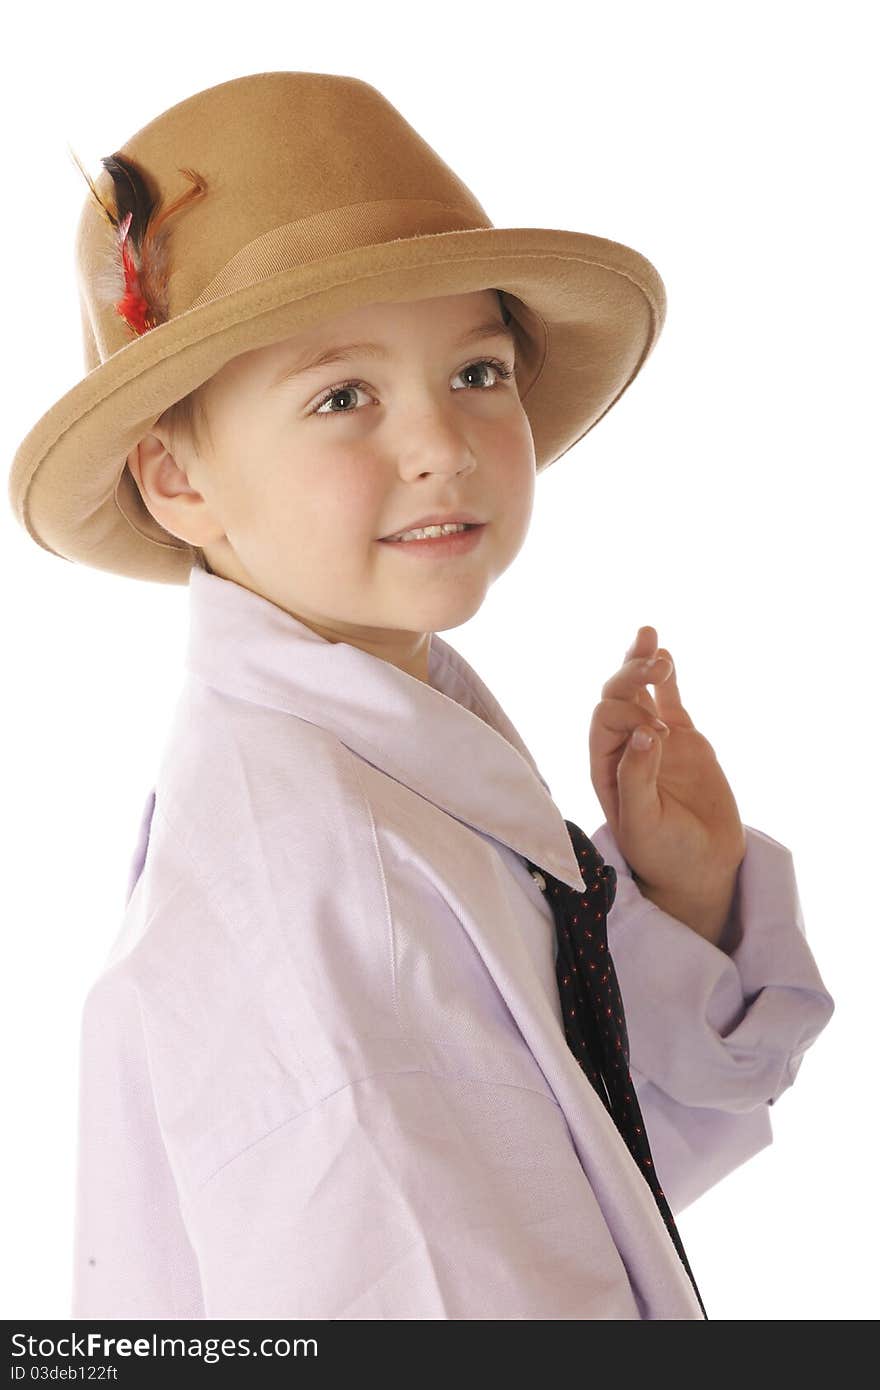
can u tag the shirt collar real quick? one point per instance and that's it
(448, 740)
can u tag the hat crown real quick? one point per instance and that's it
(309, 165)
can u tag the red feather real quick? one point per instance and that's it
(136, 282)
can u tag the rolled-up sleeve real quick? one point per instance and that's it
(715, 1038)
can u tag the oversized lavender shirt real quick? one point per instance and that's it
(323, 1072)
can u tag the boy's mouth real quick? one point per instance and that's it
(460, 540)
(431, 532)
(450, 518)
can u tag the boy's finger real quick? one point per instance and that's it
(668, 697)
(634, 676)
(614, 720)
(643, 644)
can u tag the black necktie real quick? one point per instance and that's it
(592, 1008)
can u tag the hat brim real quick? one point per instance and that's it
(590, 313)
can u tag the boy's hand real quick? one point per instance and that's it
(670, 807)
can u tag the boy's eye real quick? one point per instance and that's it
(501, 370)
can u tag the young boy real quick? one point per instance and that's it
(324, 1071)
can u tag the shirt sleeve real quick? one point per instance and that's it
(132, 1256)
(715, 1037)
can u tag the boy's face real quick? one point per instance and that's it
(293, 504)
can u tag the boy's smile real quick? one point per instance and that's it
(311, 463)
(438, 541)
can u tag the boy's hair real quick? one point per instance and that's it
(187, 420)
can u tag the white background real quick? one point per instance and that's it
(735, 145)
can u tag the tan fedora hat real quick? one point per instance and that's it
(251, 211)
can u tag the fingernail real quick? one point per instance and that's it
(641, 739)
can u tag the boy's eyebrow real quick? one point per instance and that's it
(492, 328)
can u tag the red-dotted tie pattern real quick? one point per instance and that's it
(592, 1007)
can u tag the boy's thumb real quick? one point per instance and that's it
(636, 769)
(644, 739)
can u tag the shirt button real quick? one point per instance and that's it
(540, 880)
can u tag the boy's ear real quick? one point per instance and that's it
(168, 496)
(151, 446)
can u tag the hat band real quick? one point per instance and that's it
(331, 233)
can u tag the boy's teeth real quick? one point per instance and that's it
(422, 531)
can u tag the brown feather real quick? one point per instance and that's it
(105, 211)
(141, 233)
